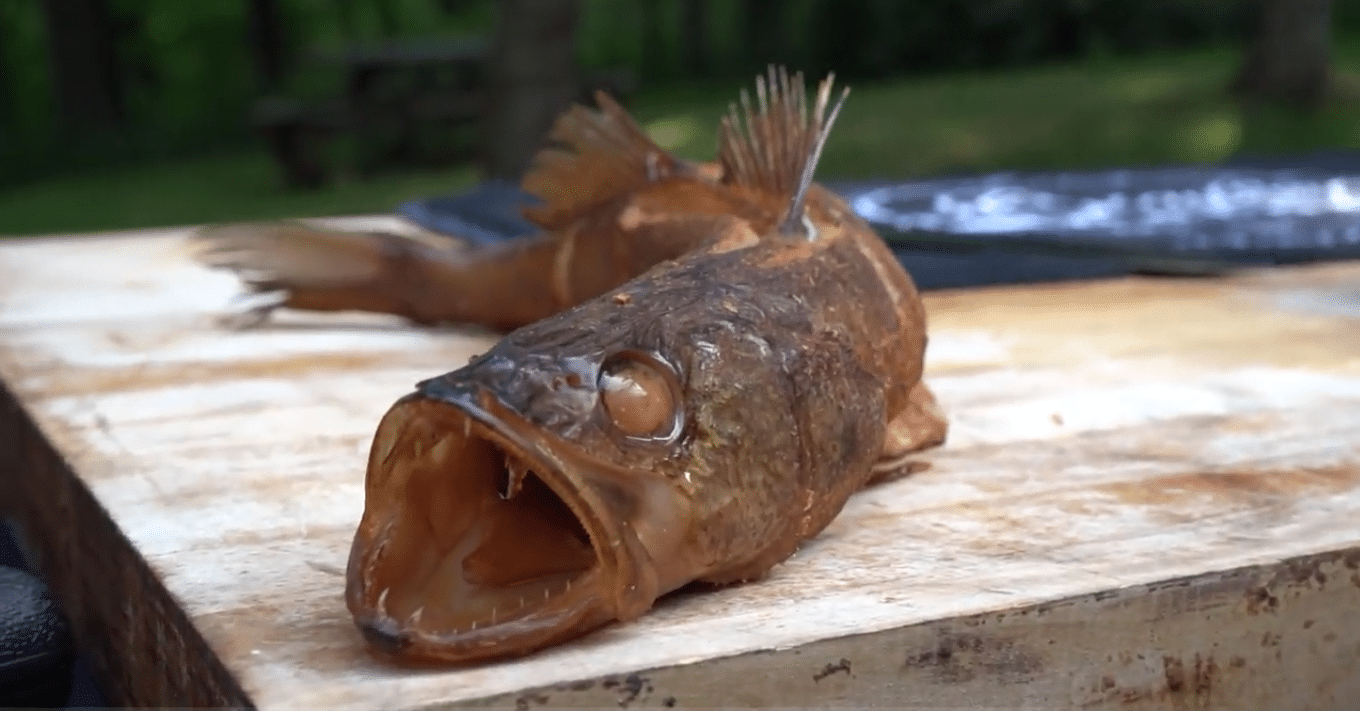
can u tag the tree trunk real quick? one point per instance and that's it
(761, 26)
(387, 19)
(694, 36)
(1289, 57)
(652, 37)
(264, 32)
(344, 13)
(6, 81)
(532, 78)
(84, 61)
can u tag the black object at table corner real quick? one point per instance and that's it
(36, 651)
(39, 666)
(490, 212)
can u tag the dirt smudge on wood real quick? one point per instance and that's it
(843, 666)
(1236, 485)
(961, 658)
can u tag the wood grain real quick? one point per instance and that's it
(1150, 499)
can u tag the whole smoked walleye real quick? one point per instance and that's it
(710, 359)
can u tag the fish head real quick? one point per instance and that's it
(531, 495)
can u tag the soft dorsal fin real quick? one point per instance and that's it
(775, 149)
(595, 156)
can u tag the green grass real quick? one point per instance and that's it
(1116, 112)
(214, 188)
(1100, 113)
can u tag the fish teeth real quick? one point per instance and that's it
(415, 616)
(387, 441)
(515, 472)
(440, 452)
(467, 427)
(382, 600)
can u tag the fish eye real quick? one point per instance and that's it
(638, 395)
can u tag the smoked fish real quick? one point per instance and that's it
(708, 360)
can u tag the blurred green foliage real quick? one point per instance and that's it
(859, 38)
(989, 33)
(188, 74)
(190, 79)
(1169, 107)
(882, 37)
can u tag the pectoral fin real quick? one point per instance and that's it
(920, 425)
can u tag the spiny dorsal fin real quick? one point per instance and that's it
(775, 149)
(597, 156)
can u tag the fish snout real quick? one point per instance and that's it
(558, 394)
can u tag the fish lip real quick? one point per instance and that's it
(384, 634)
(616, 586)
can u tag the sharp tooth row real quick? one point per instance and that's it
(439, 453)
(493, 619)
(387, 442)
(515, 472)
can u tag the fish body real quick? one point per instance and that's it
(731, 354)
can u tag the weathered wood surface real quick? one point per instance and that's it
(1150, 499)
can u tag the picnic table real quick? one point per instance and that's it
(410, 101)
(1150, 499)
(394, 93)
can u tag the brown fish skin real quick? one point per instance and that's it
(616, 204)
(781, 404)
(696, 423)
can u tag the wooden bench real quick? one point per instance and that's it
(1150, 499)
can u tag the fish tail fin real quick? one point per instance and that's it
(773, 147)
(289, 264)
(593, 156)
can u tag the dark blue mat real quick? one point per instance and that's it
(1031, 227)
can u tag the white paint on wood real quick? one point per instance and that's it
(1105, 436)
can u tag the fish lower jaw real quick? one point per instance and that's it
(505, 627)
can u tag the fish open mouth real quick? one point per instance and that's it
(472, 544)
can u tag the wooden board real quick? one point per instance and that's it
(1150, 499)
